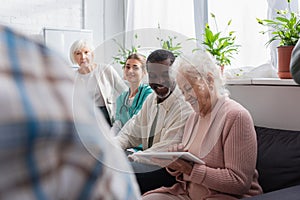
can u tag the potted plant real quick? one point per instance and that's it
(169, 44)
(221, 44)
(123, 52)
(285, 28)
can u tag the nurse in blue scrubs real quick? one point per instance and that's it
(130, 102)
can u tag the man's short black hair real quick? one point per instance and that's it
(161, 55)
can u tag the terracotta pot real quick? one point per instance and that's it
(284, 58)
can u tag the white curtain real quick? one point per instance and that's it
(174, 15)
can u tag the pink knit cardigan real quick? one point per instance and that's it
(227, 144)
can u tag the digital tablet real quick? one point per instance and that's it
(170, 156)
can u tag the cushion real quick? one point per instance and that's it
(278, 161)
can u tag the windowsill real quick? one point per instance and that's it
(261, 81)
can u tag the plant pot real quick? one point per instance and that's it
(284, 58)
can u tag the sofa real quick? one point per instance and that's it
(278, 164)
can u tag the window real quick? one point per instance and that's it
(253, 51)
(178, 16)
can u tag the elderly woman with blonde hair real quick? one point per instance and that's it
(220, 132)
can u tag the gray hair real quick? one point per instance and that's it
(77, 45)
(201, 64)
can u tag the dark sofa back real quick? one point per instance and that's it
(278, 161)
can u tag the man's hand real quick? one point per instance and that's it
(177, 148)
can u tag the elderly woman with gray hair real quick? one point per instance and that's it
(220, 132)
(102, 82)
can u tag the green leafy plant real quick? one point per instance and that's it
(285, 27)
(170, 44)
(221, 44)
(123, 52)
(165, 43)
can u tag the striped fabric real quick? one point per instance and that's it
(52, 142)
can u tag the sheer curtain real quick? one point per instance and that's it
(175, 15)
(188, 17)
(153, 20)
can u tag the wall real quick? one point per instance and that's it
(109, 11)
(32, 15)
(273, 105)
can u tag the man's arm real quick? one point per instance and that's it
(173, 132)
(136, 128)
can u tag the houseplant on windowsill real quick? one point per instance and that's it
(285, 28)
(124, 52)
(221, 44)
(170, 44)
